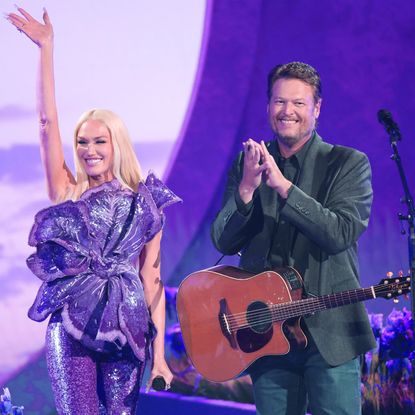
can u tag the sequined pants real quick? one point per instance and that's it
(84, 382)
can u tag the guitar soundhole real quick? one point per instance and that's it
(258, 316)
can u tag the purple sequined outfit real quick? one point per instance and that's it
(86, 255)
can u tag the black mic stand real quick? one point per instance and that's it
(409, 218)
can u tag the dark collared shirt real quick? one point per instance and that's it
(280, 249)
(281, 246)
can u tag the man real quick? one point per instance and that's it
(297, 201)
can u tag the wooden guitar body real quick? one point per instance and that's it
(230, 318)
(226, 320)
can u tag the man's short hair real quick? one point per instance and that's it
(296, 70)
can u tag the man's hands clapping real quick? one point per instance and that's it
(260, 165)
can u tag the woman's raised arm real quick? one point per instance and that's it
(58, 176)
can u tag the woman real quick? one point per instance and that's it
(98, 254)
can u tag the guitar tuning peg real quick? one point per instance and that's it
(396, 300)
(400, 273)
(406, 296)
(389, 274)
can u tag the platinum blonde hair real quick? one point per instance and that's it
(126, 167)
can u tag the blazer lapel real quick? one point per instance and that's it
(306, 255)
(316, 161)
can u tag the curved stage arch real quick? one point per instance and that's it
(365, 53)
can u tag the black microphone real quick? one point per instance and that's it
(385, 118)
(159, 384)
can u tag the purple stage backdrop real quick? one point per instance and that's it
(364, 51)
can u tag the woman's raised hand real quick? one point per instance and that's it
(41, 34)
(58, 177)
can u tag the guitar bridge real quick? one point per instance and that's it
(225, 322)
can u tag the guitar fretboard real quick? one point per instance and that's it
(311, 305)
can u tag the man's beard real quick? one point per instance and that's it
(289, 140)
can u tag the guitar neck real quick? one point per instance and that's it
(311, 305)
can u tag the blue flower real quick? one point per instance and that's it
(397, 340)
(6, 407)
(5, 402)
(376, 321)
(175, 340)
(399, 369)
(171, 294)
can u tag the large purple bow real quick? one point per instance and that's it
(86, 255)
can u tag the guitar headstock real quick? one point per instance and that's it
(393, 287)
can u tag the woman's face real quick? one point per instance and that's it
(95, 151)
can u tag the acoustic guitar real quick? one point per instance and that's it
(229, 317)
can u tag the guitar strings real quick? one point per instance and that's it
(305, 306)
(295, 305)
(264, 316)
(271, 315)
(353, 295)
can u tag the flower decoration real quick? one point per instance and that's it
(6, 407)
(175, 340)
(171, 294)
(376, 321)
(387, 379)
(397, 339)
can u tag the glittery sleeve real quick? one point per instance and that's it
(160, 193)
(158, 196)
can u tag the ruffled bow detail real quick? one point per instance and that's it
(86, 255)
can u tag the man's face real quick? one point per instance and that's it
(292, 111)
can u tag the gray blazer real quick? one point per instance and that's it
(329, 208)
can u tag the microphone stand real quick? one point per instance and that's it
(409, 218)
